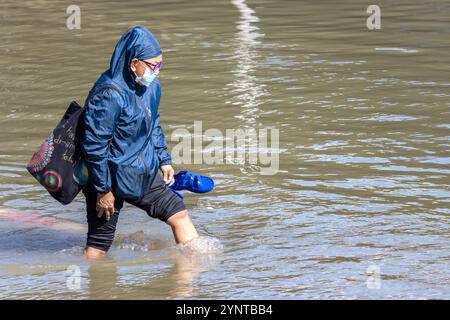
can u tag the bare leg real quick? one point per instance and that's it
(93, 253)
(182, 227)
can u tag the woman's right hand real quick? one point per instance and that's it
(105, 204)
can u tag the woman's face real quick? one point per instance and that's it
(138, 67)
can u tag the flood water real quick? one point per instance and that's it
(359, 207)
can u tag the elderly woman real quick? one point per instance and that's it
(124, 146)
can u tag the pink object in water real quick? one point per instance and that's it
(29, 218)
(26, 217)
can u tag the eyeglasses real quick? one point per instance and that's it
(153, 66)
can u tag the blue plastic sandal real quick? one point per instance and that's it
(185, 180)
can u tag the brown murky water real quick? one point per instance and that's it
(359, 207)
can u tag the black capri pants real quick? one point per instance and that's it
(159, 201)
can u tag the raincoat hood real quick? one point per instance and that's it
(139, 43)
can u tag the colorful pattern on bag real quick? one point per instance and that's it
(51, 180)
(42, 156)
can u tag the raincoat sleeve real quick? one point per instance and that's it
(159, 141)
(100, 117)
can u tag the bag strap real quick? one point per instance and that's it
(101, 87)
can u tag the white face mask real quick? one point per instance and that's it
(147, 78)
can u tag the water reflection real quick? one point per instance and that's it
(247, 91)
(113, 279)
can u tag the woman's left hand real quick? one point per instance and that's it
(168, 173)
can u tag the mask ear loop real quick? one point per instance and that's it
(138, 78)
(144, 65)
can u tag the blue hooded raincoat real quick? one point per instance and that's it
(122, 140)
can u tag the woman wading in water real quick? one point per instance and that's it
(124, 146)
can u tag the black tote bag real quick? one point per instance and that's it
(58, 163)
